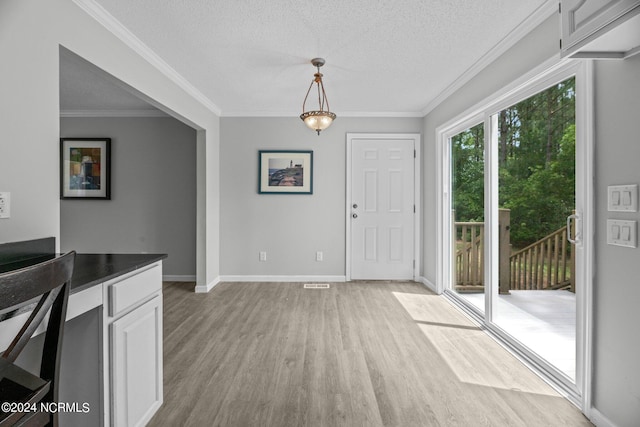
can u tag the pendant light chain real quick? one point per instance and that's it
(307, 95)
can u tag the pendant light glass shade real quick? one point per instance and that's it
(318, 120)
(321, 118)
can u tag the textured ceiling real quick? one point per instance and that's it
(251, 57)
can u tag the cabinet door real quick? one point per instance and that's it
(136, 365)
(582, 18)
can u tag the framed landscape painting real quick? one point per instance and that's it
(85, 168)
(285, 172)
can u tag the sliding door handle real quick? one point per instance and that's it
(577, 229)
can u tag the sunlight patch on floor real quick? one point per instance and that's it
(544, 321)
(469, 352)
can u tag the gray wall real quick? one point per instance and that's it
(153, 194)
(616, 378)
(617, 269)
(290, 228)
(535, 48)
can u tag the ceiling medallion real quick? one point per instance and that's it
(321, 118)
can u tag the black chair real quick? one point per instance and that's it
(46, 284)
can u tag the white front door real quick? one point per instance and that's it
(382, 208)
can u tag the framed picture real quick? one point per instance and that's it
(285, 172)
(85, 168)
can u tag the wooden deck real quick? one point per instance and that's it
(544, 321)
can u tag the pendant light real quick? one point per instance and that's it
(321, 118)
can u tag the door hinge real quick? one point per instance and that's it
(414, 263)
(414, 208)
(414, 154)
(559, 7)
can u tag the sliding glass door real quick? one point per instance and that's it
(467, 214)
(515, 194)
(536, 302)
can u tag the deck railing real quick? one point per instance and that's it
(546, 264)
(469, 255)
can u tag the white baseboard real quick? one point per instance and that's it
(179, 278)
(283, 278)
(427, 283)
(203, 289)
(599, 420)
(288, 279)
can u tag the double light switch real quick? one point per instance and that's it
(622, 233)
(623, 198)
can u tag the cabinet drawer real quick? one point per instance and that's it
(134, 289)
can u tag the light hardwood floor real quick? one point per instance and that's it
(357, 354)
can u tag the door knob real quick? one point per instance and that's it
(355, 215)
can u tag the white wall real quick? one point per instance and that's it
(290, 228)
(616, 378)
(29, 123)
(153, 192)
(31, 32)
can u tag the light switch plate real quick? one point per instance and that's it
(623, 198)
(5, 204)
(622, 233)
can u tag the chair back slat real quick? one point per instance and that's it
(18, 287)
(50, 280)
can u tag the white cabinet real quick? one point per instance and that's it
(133, 337)
(112, 348)
(600, 28)
(137, 364)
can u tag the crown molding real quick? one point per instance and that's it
(112, 113)
(546, 10)
(114, 26)
(380, 114)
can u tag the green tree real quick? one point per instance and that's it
(537, 178)
(536, 153)
(468, 174)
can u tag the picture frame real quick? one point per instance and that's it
(85, 168)
(285, 172)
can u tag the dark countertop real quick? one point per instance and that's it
(92, 269)
(88, 270)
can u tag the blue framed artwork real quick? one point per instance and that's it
(285, 172)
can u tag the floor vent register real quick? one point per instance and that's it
(316, 286)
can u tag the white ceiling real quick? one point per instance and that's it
(251, 57)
